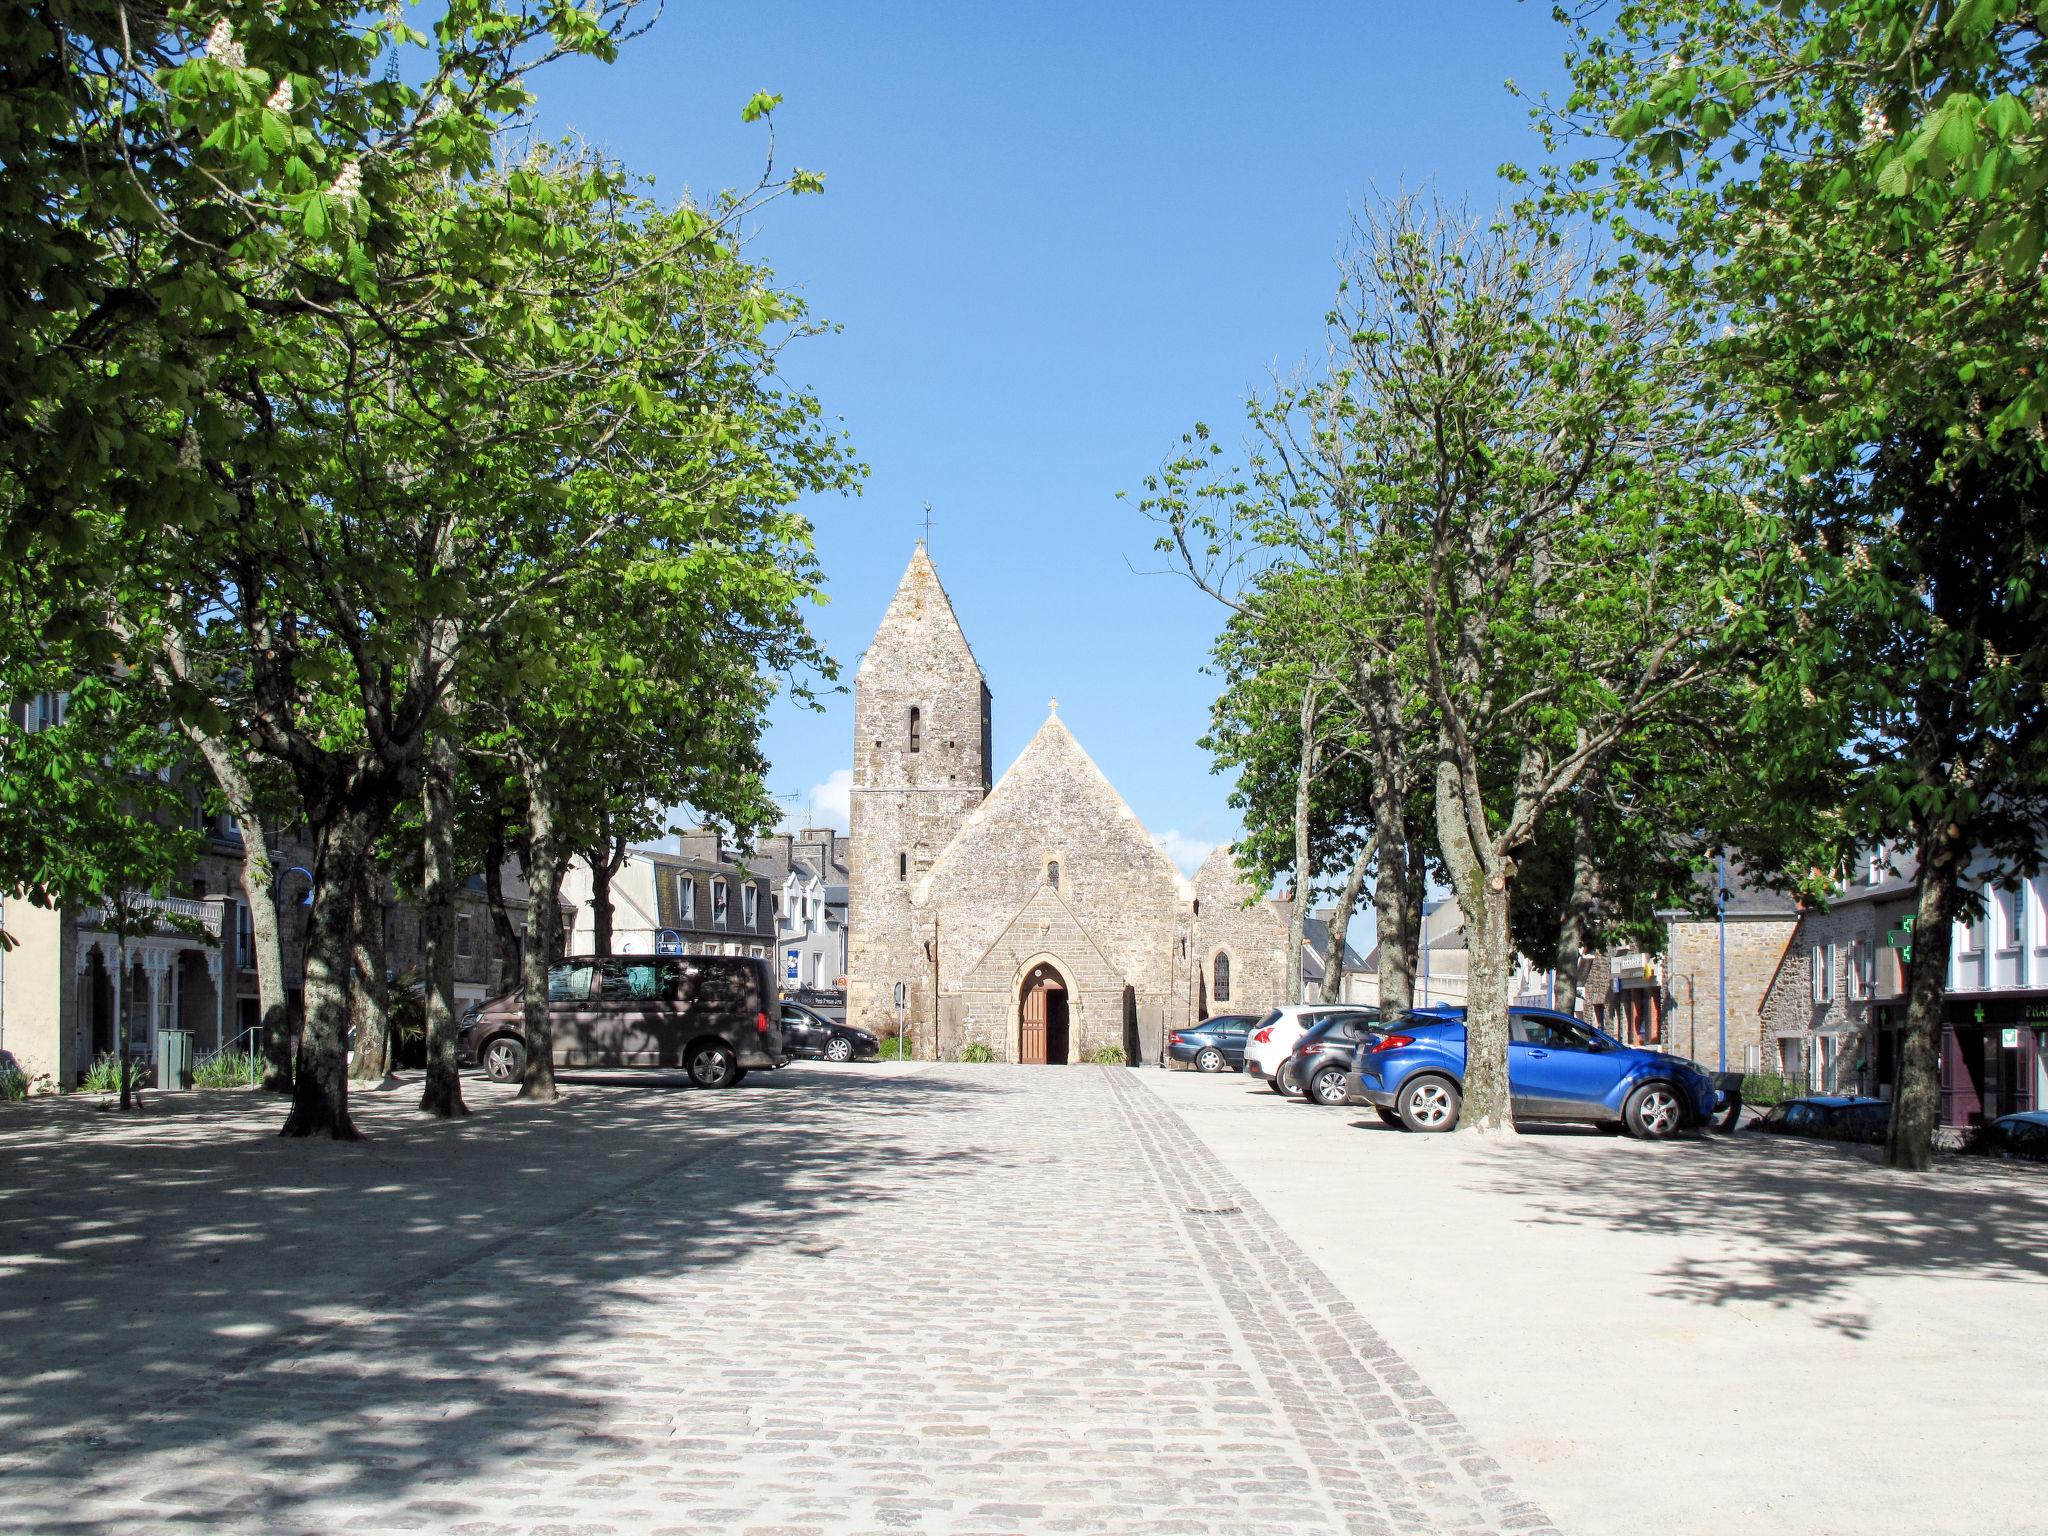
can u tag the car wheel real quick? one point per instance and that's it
(1208, 1059)
(504, 1060)
(1388, 1117)
(1429, 1104)
(840, 1049)
(1287, 1082)
(1655, 1112)
(712, 1065)
(1328, 1086)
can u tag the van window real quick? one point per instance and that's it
(569, 983)
(638, 980)
(730, 986)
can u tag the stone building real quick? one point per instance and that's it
(1034, 916)
(700, 901)
(1756, 938)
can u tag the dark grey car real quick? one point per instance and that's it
(715, 1016)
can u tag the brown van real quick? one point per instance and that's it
(715, 1016)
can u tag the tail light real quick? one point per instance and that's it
(1264, 1036)
(1178, 1039)
(761, 1023)
(1390, 1043)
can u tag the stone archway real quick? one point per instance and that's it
(1044, 1017)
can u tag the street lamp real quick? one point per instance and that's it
(1721, 916)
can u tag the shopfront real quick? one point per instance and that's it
(1994, 1056)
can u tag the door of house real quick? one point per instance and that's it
(1031, 1041)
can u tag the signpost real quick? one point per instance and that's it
(668, 942)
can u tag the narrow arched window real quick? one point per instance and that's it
(1052, 874)
(1220, 992)
(916, 729)
(902, 866)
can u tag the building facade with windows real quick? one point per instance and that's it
(807, 868)
(1835, 1008)
(701, 901)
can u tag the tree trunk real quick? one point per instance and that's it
(259, 880)
(320, 1080)
(601, 871)
(369, 999)
(1917, 1104)
(1304, 778)
(1395, 900)
(501, 913)
(442, 1094)
(121, 997)
(543, 939)
(1480, 880)
(1576, 933)
(1340, 922)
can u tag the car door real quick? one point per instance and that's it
(1557, 1068)
(569, 988)
(1230, 1039)
(800, 1034)
(615, 1030)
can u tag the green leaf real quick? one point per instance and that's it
(759, 106)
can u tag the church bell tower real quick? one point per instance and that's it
(920, 767)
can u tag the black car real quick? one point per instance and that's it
(1321, 1059)
(1212, 1045)
(1828, 1117)
(806, 1032)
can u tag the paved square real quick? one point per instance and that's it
(954, 1299)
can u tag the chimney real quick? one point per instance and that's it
(704, 843)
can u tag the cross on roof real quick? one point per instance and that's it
(927, 525)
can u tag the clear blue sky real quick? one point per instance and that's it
(1056, 235)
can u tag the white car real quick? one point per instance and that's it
(1274, 1037)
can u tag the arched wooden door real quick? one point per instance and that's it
(1042, 1014)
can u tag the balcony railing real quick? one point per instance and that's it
(148, 914)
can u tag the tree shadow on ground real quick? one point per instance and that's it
(193, 1303)
(1784, 1222)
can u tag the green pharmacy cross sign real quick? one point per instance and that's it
(1901, 939)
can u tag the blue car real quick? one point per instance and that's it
(1559, 1069)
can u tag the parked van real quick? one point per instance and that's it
(716, 1016)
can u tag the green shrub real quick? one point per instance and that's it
(898, 1049)
(974, 1050)
(407, 1020)
(1766, 1089)
(1108, 1056)
(104, 1075)
(13, 1081)
(224, 1069)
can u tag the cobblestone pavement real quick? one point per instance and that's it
(966, 1299)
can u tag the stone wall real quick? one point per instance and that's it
(1230, 918)
(1756, 946)
(1119, 914)
(1794, 1023)
(907, 804)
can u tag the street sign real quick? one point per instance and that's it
(668, 942)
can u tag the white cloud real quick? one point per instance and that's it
(829, 804)
(1186, 852)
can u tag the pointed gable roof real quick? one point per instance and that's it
(920, 618)
(1051, 755)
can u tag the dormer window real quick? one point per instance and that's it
(916, 729)
(720, 902)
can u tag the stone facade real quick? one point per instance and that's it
(1839, 980)
(1758, 949)
(970, 898)
(1248, 933)
(920, 767)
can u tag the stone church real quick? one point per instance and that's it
(1033, 915)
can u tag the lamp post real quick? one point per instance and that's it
(1721, 917)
